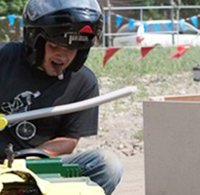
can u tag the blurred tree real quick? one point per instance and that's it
(10, 32)
(11, 7)
(3, 7)
(177, 2)
(190, 2)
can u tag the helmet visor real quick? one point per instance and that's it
(69, 39)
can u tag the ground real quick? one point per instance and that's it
(121, 125)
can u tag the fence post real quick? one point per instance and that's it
(109, 22)
(111, 10)
(172, 19)
(141, 14)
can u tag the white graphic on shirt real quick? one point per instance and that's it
(25, 130)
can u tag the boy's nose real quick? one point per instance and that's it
(61, 57)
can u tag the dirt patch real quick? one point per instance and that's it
(121, 125)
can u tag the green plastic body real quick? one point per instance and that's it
(53, 167)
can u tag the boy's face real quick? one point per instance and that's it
(57, 58)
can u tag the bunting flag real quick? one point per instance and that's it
(157, 27)
(11, 19)
(182, 24)
(181, 49)
(131, 24)
(194, 20)
(139, 39)
(109, 53)
(145, 50)
(119, 20)
(21, 22)
(140, 34)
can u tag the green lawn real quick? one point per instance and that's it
(125, 64)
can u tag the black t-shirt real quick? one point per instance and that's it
(26, 88)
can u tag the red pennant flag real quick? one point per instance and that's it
(145, 50)
(109, 53)
(139, 39)
(181, 49)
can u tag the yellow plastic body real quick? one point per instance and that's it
(72, 186)
(3, 122)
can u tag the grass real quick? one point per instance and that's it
(139, 135)
(124, 65)
(124, 68)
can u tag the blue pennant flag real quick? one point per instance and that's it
(194, 20)
(11, 19)
(182, 24)
(131, 24)
(168, 26)
(21, 22)
(157, 27)
(145, 26)
(118, 21)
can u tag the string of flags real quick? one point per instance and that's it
(109, 53)
(118, 21)
(12, 19)
(180, 51)
(131, 22)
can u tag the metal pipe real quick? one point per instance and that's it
(137, 8)
(151, 7)
(69, 108)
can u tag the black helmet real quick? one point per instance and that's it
(70, 23)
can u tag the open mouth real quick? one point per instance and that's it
(58, 68)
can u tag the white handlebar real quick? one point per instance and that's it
(70, 108)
